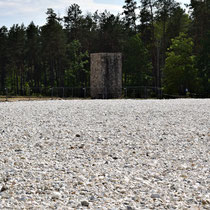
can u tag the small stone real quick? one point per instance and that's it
(81, 146)
(122, 191)
(18, 150)
(190, 201)
(205, 202)
(135, 198)
(126, 179)
(77, 135)
(92, 198)
(3, 188)
(172, 187)
(5, 196)
(22, 198)
(85, 203)
(155, 196)
(130, 208)
(56, 195)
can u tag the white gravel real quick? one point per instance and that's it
(105, 154)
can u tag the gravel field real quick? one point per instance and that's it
(105, 154)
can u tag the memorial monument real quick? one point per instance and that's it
(106, 75)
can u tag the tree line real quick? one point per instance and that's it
(162, 46)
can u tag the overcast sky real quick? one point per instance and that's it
(25, 11)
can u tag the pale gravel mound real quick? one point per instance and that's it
(105, 154)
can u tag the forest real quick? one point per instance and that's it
(163, 46)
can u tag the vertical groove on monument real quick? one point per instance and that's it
(106, 75)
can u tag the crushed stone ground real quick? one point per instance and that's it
(105, 154)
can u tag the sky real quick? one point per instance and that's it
(25, 11)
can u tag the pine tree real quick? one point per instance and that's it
(200, 14)
(33, 51)
(110, 33)
(16, 76)
(165, 9)
(72, 22)
(201, 21)
(147, 20)
(130, 17)
(147, 30)
(53, 50)
(3, 57)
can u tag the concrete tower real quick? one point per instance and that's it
(106, 75)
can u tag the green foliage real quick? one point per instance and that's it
(137, 65)
(178, 21)
(130, 16)
(16, 51)
(77, 61)
(147, 21)
(203, 65)
(200, 31)
(57, 54)
(74, 15)
(179, 72)
(110, 36)
(53, 49)
(3, 56)
(32, 57)
(72, 21)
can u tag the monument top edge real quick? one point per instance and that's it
(106, 53)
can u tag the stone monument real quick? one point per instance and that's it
(106, 75)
